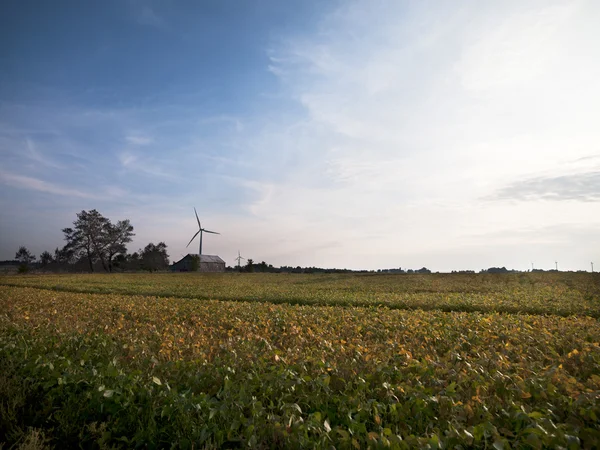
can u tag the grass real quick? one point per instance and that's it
(129, 366)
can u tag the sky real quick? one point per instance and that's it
(351, 134)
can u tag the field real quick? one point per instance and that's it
(301, 361)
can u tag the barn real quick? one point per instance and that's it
(208, 263)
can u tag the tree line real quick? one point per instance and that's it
(99, 244)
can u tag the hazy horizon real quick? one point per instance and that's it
(348, 134)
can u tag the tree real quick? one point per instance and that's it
(63, 255)
(24, 256)
(134, 261)
(155, 257)
(116, 237)
(46, 258)
(250, 265)
(86, 235)
(96, 238)
(120, 261)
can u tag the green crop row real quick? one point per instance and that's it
(114, 371)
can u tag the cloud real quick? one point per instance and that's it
(34, 155)
(410, 116)
(582, 187)
(34, 184)
(147, 166)
(515, 50)
(138, 139)
(388, 128)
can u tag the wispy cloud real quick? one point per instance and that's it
(147, 166)
(139, 139)
(34, 155)
(35, 184)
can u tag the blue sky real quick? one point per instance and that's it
(350, 134)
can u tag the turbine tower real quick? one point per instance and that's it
(200, 231)
(239, 258)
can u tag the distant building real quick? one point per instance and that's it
(208, 263)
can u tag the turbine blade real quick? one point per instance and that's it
(199, 226)
(197, 232)
(213, 232)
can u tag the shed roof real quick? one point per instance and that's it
(211, 259)
(203, 259)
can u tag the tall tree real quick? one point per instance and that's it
(85, 235)
(94, 237)
(117, 236)
(155, 257)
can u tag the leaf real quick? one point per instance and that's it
(343, 433)
(108, 393)
(156, 381)
(434, 441)
(327, 426)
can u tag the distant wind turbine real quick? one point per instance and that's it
(200, 231)
(556, 265)
(592, 267)
(239, 258)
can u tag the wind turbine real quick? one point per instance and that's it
(200, 231)
(239, 257)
